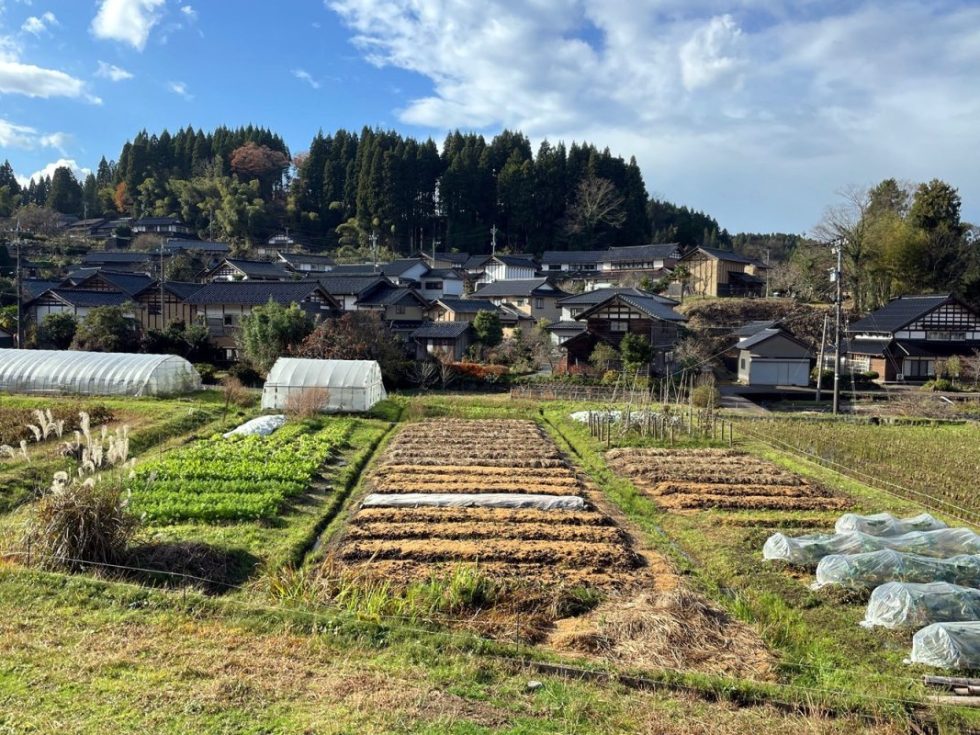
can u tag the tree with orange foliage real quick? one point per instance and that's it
(121, 197)
(253, 162)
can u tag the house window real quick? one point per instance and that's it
(433, 285)
(539, 303)
(229, 320)
(399, 308)
(946, 336)
(619, 326)
(521, 302)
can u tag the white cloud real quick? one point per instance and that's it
(179, 88)
(38, 25)
(189, 12)
(113, 72)
(305, 76)
(755, 111)
(35, 81)
(128, 21)
(70, 163)
(25, 137)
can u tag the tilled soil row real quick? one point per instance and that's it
(699, 488)
(750, 502)
(417, 472)
(479, 515)
(474, 485)
(460, 531)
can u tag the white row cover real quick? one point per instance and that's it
(906, 605)
(868, 570)
(885, 524)
(476, 500)
(948, 646)
(351, 385)
(260, 426)
(96, 373)
(808, 550)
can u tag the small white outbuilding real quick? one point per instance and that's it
(96, 373)
(351, 385)
(773, 357)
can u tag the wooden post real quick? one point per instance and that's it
(731, 435)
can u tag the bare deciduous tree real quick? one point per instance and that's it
(597, 202)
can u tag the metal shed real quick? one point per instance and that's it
(351, 385)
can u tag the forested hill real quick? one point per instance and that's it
(244, 184)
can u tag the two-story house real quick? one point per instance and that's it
(239, 269)
(537, 298)
(508, 268)
(304, 264)
(161, 226)
(908, 336)
(716, 272)
(569, 326)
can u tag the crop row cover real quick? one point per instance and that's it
(948, 645)
(260, 426)
(476, 500)
(906, 605)
(809, 550)
(885, 524)
(868, 570)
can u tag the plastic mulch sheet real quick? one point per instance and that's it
(948, 645)
(808, 550)
(261, 426)
(475, 500)
(885, 524)
(909, 605)
(870, 569)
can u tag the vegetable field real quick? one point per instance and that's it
(681, 479)
(936, 465)
(238, 478)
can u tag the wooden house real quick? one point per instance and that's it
(176, 308)
(239, 269)
(348, 289)
(716, 272)
(305, 264)
(537, 298)
(908, 337)
(442, 340)
(621, 314)
(773, 356)
(161, 226)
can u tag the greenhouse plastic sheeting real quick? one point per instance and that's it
(885, 524)
(868, 570)
(808, 550)
(906, 605)
(350, 385)
(948, 645)
(261, 426)
(476, 500)
(95, 373)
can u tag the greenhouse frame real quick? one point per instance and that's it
(351, 385)
(95, 373)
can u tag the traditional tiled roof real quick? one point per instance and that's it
(340, 284)
(95, 257)
(645, 304)
(653, 251)
(202, 246)
(295, 259)
(129, 283)
(466, 306)
(441, 330)
(258, 268)
(589, 298)
(475, 261)
(182, 290)
(86, 298)
(34, 287)
(394, 269)
(519, 287)
(750, 328)
(157, 221)
(517, 260)
(454, 258)
(385, 294)
(718, 254)
(253, 292)
(899, 313)
(572, 257)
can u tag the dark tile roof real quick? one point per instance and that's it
(384, 294)
(393, 269)
(202, 246)
(80, 274)
(155, 221)
(746, 279)
(517, 287)
(258, 268)
(750, 328)
(517, 260)
(129, 283)
(445, 273)
(252, 292)
(306, 258)
(572, 257)
(34, 287)
(577, 326)
(865, 346)
(476, 261)
(760, 337)
(646, 304)
(589, 298)
(653, 251)
(899, 312)
(919, 348)
(181, 289)
(466, 306)
(340, 284)
(116, 256)
(728, 255)
(83, 297)
(441, 330)
(455, 258)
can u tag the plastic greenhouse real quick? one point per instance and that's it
(351, 385)
(96, 373)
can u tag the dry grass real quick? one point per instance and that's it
(306, 403)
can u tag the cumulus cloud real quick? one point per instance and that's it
(305, 76)
(112, 72)
(180, 89)
(189, 12)
(38, 25)
(69, 163)
(36, 81)
(724, 105)
(26, 137)
(127, 21)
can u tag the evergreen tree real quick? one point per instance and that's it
(65, 194)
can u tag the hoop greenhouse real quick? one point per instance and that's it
(347, 385)
(96, 373)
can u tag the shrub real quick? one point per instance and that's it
(234, 392)
(245, 374)
(207, 371)
(705, 396)
(867, 375)
(939, 384)
(307, 403)
(478, 371)
(827, 377)
(610, 377)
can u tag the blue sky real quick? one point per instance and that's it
(757, 111)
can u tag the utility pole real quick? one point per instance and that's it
(20, 295)
(823, 343)
(374, 248)
(163, 277)
(493, 240)
(767, 273)
(839, 250)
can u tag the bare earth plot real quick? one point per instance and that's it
(718, 478)
(540, 558)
